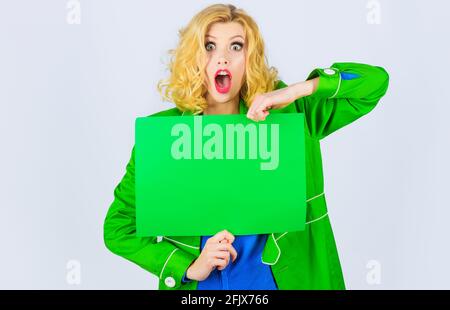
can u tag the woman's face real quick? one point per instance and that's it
(226, 61)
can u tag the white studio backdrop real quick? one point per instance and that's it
(74, 75)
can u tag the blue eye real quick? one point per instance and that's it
(239, 44)
(209, 44)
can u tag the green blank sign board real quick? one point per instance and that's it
(198, 175)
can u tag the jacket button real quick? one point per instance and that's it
(169, 281)
(329, 71)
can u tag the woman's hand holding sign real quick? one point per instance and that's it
(215, 254)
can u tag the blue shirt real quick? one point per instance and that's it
(246, 272)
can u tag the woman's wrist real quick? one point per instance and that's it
(304, 88)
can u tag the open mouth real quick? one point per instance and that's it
(223, 81)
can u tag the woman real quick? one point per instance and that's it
(219, 67)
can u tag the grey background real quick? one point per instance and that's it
(69, 95)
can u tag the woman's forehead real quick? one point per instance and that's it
(228, 30)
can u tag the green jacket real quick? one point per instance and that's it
(299, 260)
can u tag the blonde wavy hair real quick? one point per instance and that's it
(186, 85)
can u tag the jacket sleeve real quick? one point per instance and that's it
(345, 92)
(162, 259)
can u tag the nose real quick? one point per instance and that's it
(222, 61)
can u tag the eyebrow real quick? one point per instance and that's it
(230, 38)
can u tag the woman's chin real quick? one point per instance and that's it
(222, 97)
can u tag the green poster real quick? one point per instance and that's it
(198, 175)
